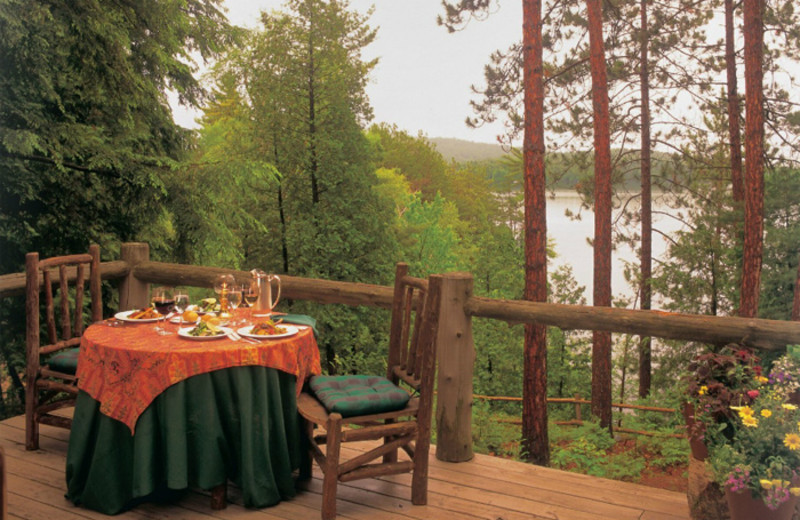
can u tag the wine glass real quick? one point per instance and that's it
(181, 303)
(234, 301)
(163, 300)
(250, 293)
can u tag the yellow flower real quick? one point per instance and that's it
(766, 412)
(749, 420)
(792, 441)
(789, 406)
(703, 390)
(744, 411)
(765, 484)
(795, 492)
(762, 379)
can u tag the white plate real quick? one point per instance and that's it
(290, 331)
(123, 316)
(184, 333)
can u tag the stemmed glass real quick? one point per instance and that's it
(163, 300)
(234, 300)
(250, 293)
(181, 303)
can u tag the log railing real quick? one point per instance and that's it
(456, 350)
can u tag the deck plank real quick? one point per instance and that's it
(486, 488)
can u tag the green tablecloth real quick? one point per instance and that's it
(239, 424)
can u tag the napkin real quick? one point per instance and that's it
(300, 319)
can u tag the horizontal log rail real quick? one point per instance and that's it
(578, 421)
(292, 287)
(759, 333)
(14, 284)
(578, 401)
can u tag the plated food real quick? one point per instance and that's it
(203, 330)
(144, 315)
(186, 318)
(268, 330)
(208, 305)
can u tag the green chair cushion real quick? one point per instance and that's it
(65, 361)
(358, 394)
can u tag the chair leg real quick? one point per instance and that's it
(219, 497)
(330, 480)
(31, 426)
(419, 479)
(392, 455)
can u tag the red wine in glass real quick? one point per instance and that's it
(163, 304)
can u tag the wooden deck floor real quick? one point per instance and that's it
(486, 488)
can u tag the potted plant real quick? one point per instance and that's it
(717, 380)
(756, 455)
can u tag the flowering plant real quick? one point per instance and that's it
(759, 450)
(717, 381)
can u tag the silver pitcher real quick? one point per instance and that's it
(265, 302)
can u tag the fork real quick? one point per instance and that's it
(235, 336)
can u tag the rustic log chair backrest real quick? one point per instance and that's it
(405, 362)
(64, 330)
(69, 332)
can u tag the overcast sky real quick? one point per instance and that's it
(423, 79)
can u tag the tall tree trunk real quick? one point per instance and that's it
(796, 299)
(754, 157)
(312, 114)
(601, 350)
(734, 110)
(534, 389)
(645, 359)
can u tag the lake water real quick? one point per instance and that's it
(572, 246)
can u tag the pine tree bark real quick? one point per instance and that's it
(601, 350)
(536, 445)
(646, 260)
(754, 157)
(734, 111)
(796, 299)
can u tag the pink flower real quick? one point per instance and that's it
(752, 394)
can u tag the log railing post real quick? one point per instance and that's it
(132, 292)
(456, 359)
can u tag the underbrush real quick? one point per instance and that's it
(658, 460)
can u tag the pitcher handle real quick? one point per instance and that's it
(278, 295)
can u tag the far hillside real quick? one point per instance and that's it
(565, 170)
(462, 151)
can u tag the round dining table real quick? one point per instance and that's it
(157, 415)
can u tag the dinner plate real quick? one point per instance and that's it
(123, 316)
(290, 331)
(184, 333)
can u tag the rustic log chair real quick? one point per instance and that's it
(412, 362)
(51, 383)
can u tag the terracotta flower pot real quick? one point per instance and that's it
(695, 431)
(743, 506)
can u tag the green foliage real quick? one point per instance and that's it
(587, 449)
(283, 137)
(85, 121)
(494, 433)
(665, 451)
(87, 139)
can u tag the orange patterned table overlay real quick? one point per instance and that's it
(125, 368)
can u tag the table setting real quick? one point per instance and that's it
(177, 397)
